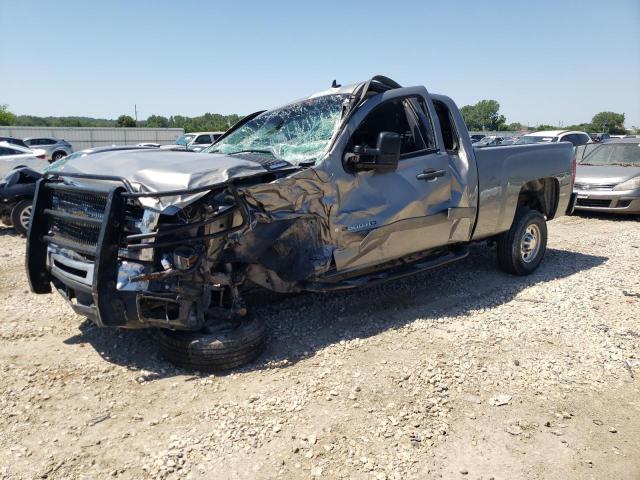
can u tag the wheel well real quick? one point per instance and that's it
(540, 194)
(64, 154)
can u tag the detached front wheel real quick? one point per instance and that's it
(216, 347)
(522, 248)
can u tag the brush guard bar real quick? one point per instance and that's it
(110, 310)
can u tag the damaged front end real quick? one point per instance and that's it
(124, 265)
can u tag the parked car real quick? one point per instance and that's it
(14, 141)
(194, 142)
(552, 136)
(55, 148)
(490, 141)
(349, 187)
(608, 177)
(476, 137)
(14, 156)
(16, 196)
(599, 137)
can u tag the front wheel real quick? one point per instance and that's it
(216, 347)
(522, 248)
(21, 215)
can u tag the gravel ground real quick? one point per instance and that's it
(462, 372)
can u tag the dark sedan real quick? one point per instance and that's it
(608, 177)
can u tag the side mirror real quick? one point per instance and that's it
(383, 158)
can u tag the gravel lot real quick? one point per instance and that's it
(462, 372)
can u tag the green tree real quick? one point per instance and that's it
(6, 117)
(583, 127)
(515, 127)
(484, 115)
(157, 121)
(609, 122)
(468, 114)
(544, 126)
(125, 121)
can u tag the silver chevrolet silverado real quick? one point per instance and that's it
(349, 187)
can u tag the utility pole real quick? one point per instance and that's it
(135, 110)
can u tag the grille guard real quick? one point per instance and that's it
(110, 309)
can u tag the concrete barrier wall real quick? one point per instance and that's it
(87, 137)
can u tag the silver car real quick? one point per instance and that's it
(55, 147)
(608, 177)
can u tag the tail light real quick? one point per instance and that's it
(42, 156)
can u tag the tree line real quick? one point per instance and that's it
(484, 115)
(209, 122)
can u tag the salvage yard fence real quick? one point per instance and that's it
(88, 137)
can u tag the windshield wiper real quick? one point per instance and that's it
(253, 150)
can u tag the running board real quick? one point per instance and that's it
(393, 273)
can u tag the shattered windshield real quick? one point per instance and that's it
(298, 133)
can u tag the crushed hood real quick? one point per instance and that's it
(161, 170)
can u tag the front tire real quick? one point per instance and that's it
(20, 216)
(215, 348)
(522, 248)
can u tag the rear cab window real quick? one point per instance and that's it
(447, 127)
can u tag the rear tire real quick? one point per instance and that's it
(20, 216)
(522, 248)
(57, 156)
(214, 348)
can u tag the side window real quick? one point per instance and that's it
(6, 151)
(203, 139)
(400, 115)
(584, 139)
(448, 127)
(571, 138)
(31, 142)
(47, 141)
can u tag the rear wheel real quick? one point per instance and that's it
(57, 156)
(214, 348)
(21, 215)
(522, 248)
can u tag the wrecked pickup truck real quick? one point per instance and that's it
(349, 187)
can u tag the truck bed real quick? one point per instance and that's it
(504, 170)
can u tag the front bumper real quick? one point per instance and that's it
(94, 279)
(624, 202)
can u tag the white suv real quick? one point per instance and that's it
(548, 136)
(194, 141)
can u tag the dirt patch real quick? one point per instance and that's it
(461, 372)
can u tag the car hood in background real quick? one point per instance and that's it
(160, 170)
(609, 174)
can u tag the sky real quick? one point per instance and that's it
(545, 61)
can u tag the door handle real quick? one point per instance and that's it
(430, 174)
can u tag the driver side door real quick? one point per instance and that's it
(387, 215)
